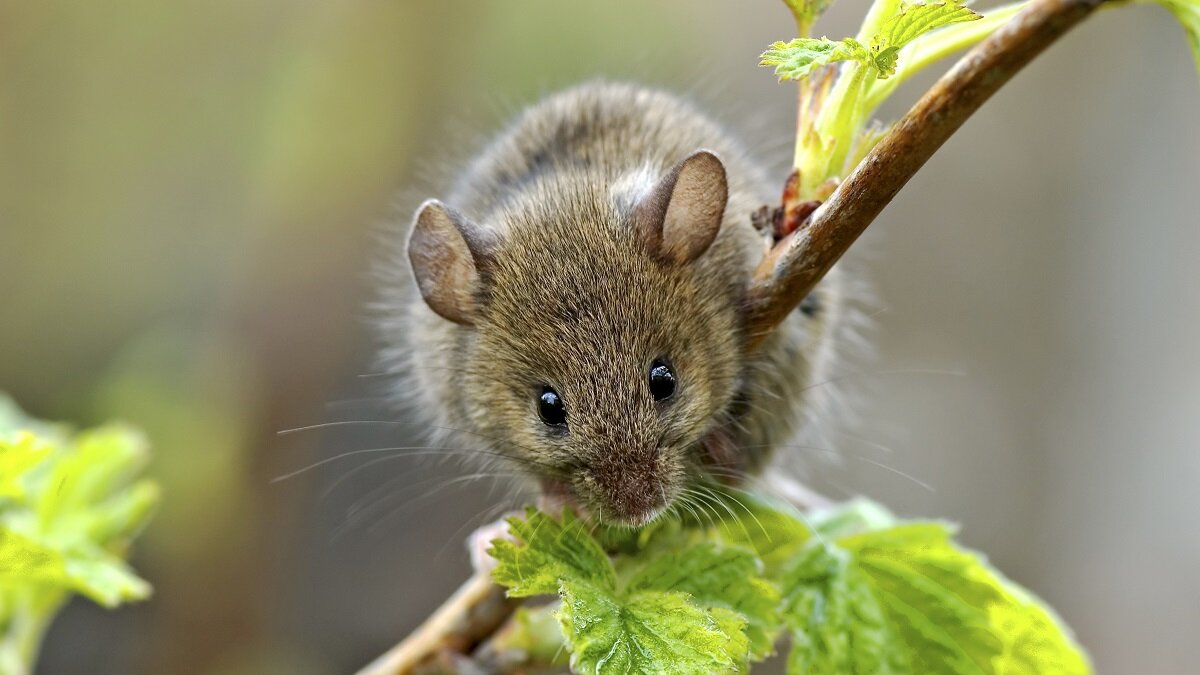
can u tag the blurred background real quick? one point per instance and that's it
(190, 198)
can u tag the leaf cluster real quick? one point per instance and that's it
(70, 503)
(798, 58)
(854, 590)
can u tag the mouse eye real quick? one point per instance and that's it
(662, 381)
(551, 408)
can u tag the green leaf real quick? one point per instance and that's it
(934, 604)
(679, 610)
(24, 561)
(549, 551)
(912, 22)
(796, 59)
(858, 592)
(719, 577)
(649, 632)
(121, 517)
(20, 453)
(937, 44)
(1035, 640)
(910, 601)
(772, 531)
(856, 516)
(104, 578)
(100, 464)
(28, 564)
(69, 506)
(837, 624)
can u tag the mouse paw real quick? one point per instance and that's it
(481, 540)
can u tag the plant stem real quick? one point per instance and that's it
(939, 44)
(475, 611)
(794, 266)
(27, 621)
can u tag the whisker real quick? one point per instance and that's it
(898, 472)
(860, 458)
(325, 425)
(745, 508)
(351, 453)
(869, 442)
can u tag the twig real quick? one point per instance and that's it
(794, 266)
(475, 611)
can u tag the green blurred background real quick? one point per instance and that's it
(191, 196)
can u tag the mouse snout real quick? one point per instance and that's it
(630, 489)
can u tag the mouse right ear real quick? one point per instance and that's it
(447, 251)
(679, 218)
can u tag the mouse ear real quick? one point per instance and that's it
(679, 219)
(447, 252)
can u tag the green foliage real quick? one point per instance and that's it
(833, 133)
(646, 620)
(856, 591)
(69, 506)
(798, 58)
(896, 41)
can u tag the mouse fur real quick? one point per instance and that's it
(605, 230)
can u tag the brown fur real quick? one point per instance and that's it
(570, 295)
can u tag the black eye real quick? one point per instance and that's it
(551, 408)
(662, 381)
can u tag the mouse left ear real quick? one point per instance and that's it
(447, 252)
(680, 217)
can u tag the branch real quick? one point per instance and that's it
(794, 266)
(474, 612)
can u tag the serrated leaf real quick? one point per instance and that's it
(104, 578)
(910, 601)
(934, 604)
(1035, 640)
(649, 632)
(718, 577)
(796, 59)
(772, 532)
(547, 552)
(912, 22)
(837, 624)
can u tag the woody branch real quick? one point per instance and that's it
(794, 266)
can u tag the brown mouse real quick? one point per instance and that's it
(578, 300)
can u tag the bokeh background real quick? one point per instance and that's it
(190, 198)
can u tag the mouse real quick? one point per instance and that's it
(573, 307)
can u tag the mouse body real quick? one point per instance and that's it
(575, 307)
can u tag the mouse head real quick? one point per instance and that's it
(600, 349)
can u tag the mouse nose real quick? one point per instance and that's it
(631, 490)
